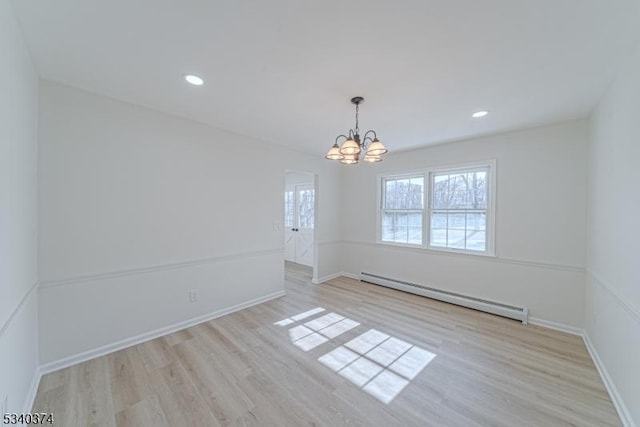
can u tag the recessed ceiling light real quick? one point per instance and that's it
(480, 114)
(194, 80)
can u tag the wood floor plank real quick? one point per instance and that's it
(128, 378)
(214, 383)
(180, 401)
(245, 369)
(146, 412)
(156, 353)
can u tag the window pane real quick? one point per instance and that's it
(388, 234)
(403, 219)
(476, 221)
(414, 235)
(387, 219)
(439, 198)
(415, 220)
(402, 227)
(456, 239)
(457, 221)
(405, 193)
(400, 235)
(288, 208)
(477, 190)
(438, 220)
(459, 203)
(439, 237)
(305, 208)
(476, 240)
(464, 190)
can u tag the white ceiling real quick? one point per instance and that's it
(284, 70)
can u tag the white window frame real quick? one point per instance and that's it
(426, 210)
(381, 179)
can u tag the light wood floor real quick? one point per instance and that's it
(242, 370)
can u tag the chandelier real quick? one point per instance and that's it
(353, 146)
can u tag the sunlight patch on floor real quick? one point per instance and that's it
(297, 317)
(319, 331)
(382, 365)
(378, 363)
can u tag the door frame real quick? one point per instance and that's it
(314, 176)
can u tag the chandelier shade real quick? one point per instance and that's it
(349, 159)
(376, 148)
(334, 153)
(350, 146)
(353, 146)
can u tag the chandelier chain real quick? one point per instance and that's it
(357, 116)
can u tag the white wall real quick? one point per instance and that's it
(138, 207)
(540, 223)
(292, 178)
(613, 247)
(18, 213)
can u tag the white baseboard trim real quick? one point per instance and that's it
(556, 326)
(327, 278)
(335, 276)
(128, 342)
(624, 414)
(32, 392)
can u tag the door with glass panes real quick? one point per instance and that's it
(299, 205)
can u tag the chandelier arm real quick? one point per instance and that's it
(341, 136)
(368, 132)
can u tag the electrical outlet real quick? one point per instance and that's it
(277, 226)
(193, 295)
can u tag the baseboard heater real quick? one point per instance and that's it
(518, 313)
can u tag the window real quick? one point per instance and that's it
(440, 209)
(305, 207)
(299, 207)
(459, 209)
(403, 209)
(288, 208)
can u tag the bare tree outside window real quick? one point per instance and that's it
(288, 209)
(306, 208)
(440, 209)
(459, 210)
(403, 200)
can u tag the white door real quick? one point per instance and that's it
(299, 220)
